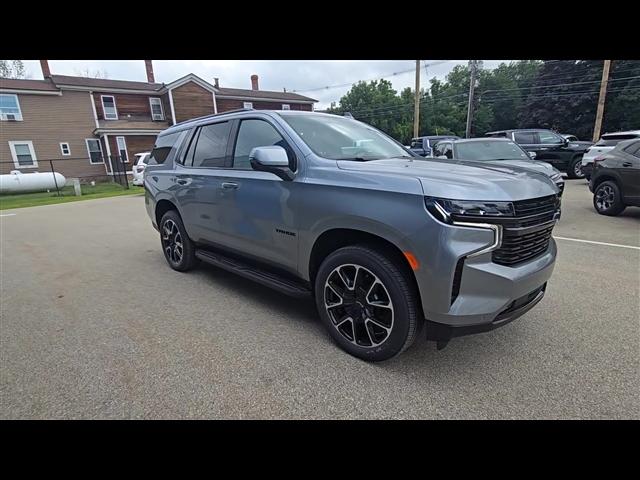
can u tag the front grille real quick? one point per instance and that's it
(527, 235)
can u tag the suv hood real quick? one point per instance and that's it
(463, 180)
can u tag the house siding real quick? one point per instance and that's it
(190, 101)
(47, 121)
(129, 106)
(226, 104)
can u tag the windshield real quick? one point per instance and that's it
(340, 138)
(490, 150)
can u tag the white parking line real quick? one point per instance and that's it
(597, 243)
(7, 214)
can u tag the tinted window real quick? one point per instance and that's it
(633, 149)
(255, 133)
(490, 150)
(525, 137)
(165, 148)
(211, 146)
(438, 149)
(549, 137)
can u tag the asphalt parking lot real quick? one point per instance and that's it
(94, 324)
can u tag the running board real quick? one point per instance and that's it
(268, 279)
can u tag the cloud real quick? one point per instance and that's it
(299, 75)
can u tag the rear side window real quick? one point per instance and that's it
(633, 149)
(210, 145)
(526, 138)
(256, 133)
(165, 148)
(613, 140)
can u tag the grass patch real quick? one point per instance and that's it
(100, 190)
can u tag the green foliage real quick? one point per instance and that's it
(520, 94)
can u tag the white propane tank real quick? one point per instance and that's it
(16, 181)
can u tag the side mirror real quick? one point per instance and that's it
(532, 155)
(272, 159)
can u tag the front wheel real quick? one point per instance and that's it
(368, 302)
(607, 199)
(575, 168)
(177, 246)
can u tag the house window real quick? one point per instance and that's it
(156, 108)
(9, 107)
(122, 149)
(95, 150)
(247, 105)
(109, 107)
(64, 148)
(23, 154)
(285, 106)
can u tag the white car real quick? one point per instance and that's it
(606, 143)
(138, 168)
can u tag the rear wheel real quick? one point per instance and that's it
(607, 199)
(177, 246)
(575, 168)
(367, 302)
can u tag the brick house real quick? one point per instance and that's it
(88, 124)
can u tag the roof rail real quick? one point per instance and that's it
(213, 115)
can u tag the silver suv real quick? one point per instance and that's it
(319, 205)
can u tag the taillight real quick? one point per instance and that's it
(140, 168)
(597, 160)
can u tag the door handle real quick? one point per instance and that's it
(183, 181)
(626, 164)
(229, 185)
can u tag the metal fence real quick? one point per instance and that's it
(113, 169)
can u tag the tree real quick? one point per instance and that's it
(95, 74)
(12, 69)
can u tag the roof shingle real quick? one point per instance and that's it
(104, 83)
(240, 92)
(24, 84)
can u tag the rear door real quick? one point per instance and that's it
(198, 179)
(629, 170)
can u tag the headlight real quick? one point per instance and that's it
(556, 177)
(447, 210)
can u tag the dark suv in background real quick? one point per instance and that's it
(550, 147)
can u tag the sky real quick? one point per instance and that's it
(301, 76)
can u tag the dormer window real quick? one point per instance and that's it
(109, 107)
(156, 108)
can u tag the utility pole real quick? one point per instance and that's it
(603, 94)
(472, 86)
(416, 113)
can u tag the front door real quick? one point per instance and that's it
(552, 148)
(255, 215)
(628, 168)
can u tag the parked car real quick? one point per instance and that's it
(570, 138)
(423, 146)
(138, 168)
(606, 143)
(615, 181)
(549, 147)
(323, 206)
(497, 151)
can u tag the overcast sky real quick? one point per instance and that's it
(275, 75)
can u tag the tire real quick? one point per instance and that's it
(607, 199)
(177, 247)
(575, 168)
(362, 282)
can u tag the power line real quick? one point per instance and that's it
(341, 85)
(557, 85)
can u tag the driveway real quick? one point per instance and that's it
(94, 324)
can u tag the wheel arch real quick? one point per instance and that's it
(162, 207)
(332, 239)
